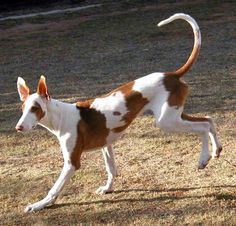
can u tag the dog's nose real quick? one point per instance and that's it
(19, 128)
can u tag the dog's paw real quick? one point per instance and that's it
(103, 190)
(30, 209)
(33, 207)
(203, 162)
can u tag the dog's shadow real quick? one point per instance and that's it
(170, 194)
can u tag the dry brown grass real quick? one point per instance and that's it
(158, 182)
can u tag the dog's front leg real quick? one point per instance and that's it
(67, 171)
(110, 168)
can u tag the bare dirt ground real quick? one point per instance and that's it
(86, 54)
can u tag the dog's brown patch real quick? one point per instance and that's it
(85, 103)
(134, 103)
(37, 110)
(178, 90)
(92, 131)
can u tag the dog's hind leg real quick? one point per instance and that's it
(216, 146)
(173, 120)
(109, 158)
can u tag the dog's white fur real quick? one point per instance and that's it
(62, 118)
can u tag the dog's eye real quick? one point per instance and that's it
(34, 109)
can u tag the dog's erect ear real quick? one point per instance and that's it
(42, 88)
(23, 89)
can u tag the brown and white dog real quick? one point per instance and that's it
(99, 122)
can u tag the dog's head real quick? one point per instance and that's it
(34, 106)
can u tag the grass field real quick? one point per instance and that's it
(88, 53)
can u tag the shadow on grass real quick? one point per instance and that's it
(174, 194)
(142, 210)
(173, 189)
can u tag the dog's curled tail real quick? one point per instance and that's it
(197, 42)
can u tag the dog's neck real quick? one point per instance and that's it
(56, 116)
